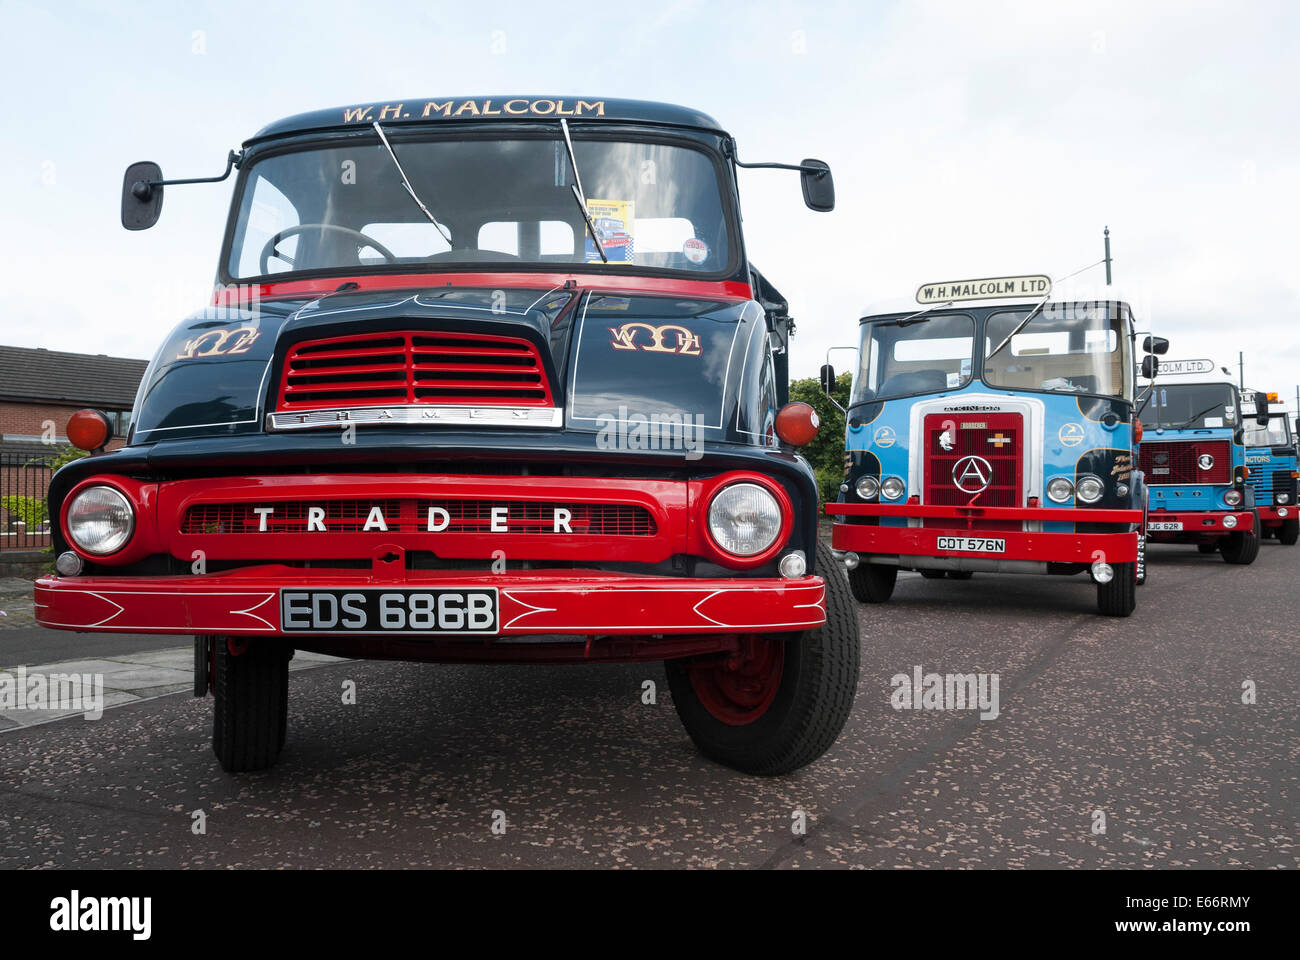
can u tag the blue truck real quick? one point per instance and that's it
(1271, 458)
(1193, 455)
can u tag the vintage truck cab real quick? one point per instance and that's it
(1194, 456)
(990, 429)
(484, 380)
(1271, 459)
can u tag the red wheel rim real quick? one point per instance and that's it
(737, 689)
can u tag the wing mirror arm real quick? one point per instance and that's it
(142, 190)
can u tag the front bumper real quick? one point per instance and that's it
(1196, 524)
(1032, 545)
(1273, 516)
(572, 602)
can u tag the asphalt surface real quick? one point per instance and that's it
(1141, 719)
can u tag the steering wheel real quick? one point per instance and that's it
(363, 241)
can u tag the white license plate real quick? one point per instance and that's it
(972, 544)
(1157, 525)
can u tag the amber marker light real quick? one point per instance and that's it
(89, 430)
(797, 423)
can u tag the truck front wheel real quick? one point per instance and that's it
(873, 582)
(1289, 532)
(779, 702)
(1117, 597)
(250, 683)
(1240, 547)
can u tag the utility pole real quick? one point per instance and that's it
(1241, 370)
(1107, 236)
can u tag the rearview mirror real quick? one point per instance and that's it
(1156, 345)
(828, 379)
(818, 186)
(1149, 367)
(1261, 409)
(141, 198)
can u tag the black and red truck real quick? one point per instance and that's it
(431, 415)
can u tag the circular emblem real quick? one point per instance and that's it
(885, 437)
(972, 474)
(1071, 434)
(1161, 458)
(1205, 461)
(695, 250)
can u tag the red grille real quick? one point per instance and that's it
(412, 516)
(1177, 461)
(984, 446)
(432, 367)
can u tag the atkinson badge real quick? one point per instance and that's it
(972, 474)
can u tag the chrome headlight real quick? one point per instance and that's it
(744, 519)
(100, 520)
(867, 488)
(1284, 498)
(1232, 498)
(1090, 489)
(1059, 489)
(892, 488)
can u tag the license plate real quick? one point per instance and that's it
(973, 544)
(379, 610)
(1156, 525)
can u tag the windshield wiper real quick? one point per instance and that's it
(407, 184)
(1019, 326)
(578, 195)
(1195, 416)
(919, 317)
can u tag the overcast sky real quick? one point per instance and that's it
(967, 139)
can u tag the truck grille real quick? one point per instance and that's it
(425, 367)
(986, 452)
(1266, 483)
(1177, 461)
(409, 515)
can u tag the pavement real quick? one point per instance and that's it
(1118, 743)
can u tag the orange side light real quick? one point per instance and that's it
(1137, 431)
(89, 430)
(797, 423)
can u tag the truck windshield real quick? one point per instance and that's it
(926, 354)
(1191, 405)
(508, 202)
(1066, 348)
(1276, 434)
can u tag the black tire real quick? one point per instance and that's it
(252, 703)
(872, 582)
(960, 574)
(819, 677)
(1118, 597)
(1207, 547)
(1289, 532)
(1240, 547)
(932, 574)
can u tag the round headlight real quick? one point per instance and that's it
(1232, 498)
(892, 488)
(1284, 498)
(1060, 489)
(100, 520)
(1089, 489)
(1229, 521)
(744, 519)
(867, 488)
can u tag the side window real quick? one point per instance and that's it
(404, 240)
(554, 238)
(269, 212)
(767, 395)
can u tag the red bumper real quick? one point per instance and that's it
(1273, 516)
(1197, 524)
(584, 603)
(966, 522)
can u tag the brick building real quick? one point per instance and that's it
(40, 389)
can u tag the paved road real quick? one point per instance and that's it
(1140, 719)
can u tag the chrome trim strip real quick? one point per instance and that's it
(417, 415)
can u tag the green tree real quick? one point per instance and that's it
(826, 452)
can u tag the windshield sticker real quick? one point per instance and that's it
(1214, 421)
(1071, 434)
(613, 220)
(695, 250)
(885, 437)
